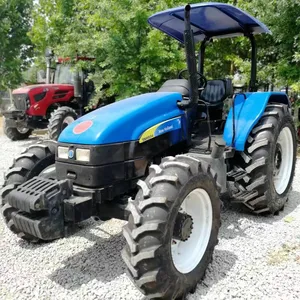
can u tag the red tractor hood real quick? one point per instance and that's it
(26, 89)
(42, 97)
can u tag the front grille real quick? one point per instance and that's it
(20, 101)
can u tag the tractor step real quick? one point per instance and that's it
(39, 205)
(236, 175)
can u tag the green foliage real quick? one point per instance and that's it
(15, 45)
(133, 58)
(137, 58)
(30, 75)
(280, 51)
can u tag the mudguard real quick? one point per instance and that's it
(137, 118)
(249, 108)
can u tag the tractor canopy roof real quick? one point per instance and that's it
(208, 20)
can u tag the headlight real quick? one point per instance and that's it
(83, 154)
(62, 152)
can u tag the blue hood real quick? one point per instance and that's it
(124, 120)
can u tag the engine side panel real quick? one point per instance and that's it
(248, 112)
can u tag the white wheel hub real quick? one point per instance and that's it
(22, 130)
(187, 254)
(68, 120)
(283, 160)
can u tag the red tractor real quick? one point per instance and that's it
(54, 104)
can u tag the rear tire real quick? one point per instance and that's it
(268, 162)
(59, 120)
(153, 244)
(29, 164)
(16, 134)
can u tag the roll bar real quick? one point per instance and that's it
(252, 84)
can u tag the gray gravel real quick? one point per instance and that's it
(256, 258)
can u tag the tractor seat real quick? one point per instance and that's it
(216, 91)
(176, 86)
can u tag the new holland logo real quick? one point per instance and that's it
(160, 128)
(71, 153)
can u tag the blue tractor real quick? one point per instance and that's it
(162, 161)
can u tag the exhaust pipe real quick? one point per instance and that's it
(48, 70)
(77, 86)
(189, 45)
(49, 56)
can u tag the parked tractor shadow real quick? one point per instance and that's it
(102, 262)
(223, 262)
(234, 215)
(32, 140)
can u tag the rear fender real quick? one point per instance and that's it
(249, 108)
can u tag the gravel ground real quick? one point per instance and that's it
(256, 258)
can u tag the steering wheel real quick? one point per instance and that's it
(200, 78)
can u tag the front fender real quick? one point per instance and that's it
(248, 111)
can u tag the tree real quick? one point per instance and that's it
(279, 52)
(133, 58)
(15, 47)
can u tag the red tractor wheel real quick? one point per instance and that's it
(60, 119)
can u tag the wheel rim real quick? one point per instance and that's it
(67, 121)
(48, 172)
(22, 130)
(283, 160)
(186, 255)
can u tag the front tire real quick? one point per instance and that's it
(268, 162)
(173, 227)
(60, 119)
(32, 162)
(16, 134)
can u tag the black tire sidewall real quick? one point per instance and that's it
(258, 163)
(204, 182)
(32, 168)
(278, 200)
(55, 126)
(149, 231)
(15, 135)
(69, 114)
